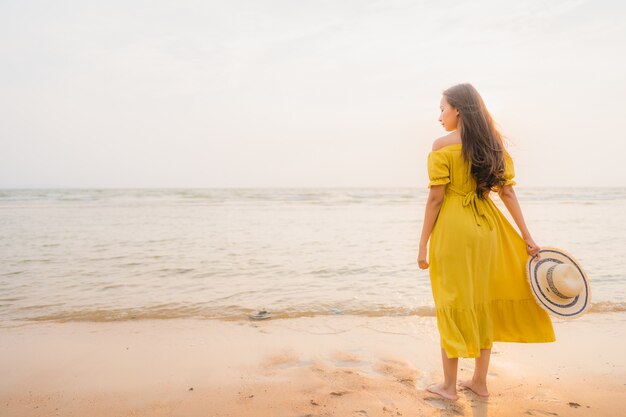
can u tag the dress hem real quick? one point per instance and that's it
(465, 331)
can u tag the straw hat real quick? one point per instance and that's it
(559, 283)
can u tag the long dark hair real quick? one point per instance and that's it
(482, 142)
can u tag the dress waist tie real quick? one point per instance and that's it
(476, 204)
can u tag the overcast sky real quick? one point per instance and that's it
(302, 93)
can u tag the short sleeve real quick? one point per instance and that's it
(438, 169)
(509, 170)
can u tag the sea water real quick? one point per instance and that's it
(104, 254)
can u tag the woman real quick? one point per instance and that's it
(477, 259)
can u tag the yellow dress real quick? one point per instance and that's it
(477, 266)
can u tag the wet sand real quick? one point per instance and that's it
(318, 366)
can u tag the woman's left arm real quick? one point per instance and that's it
(433, 205)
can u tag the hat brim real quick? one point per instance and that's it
(570, 309)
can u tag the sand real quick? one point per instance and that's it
(316, 366)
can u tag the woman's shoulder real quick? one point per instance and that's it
(452, 138)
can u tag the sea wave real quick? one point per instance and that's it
(235, 313)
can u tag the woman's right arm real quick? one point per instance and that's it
(509, 198)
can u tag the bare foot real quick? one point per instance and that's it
(475, 387)
(439, 389)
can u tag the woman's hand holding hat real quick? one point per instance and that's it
(532, 248)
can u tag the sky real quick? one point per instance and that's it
(131, 94)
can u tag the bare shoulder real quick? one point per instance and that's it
(449, 139)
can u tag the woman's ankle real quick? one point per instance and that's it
(479, 380)
(449, 386)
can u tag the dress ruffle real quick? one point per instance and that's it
(472, 329)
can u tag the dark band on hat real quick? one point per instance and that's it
(544, 260)
(533, 275)
(550, 280)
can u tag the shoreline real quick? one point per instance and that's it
(317, 366)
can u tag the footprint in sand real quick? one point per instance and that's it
(341, 359)
(286, 359)
(533, 412)
(441, 404)
(544, 397)
(339, 392)
(347, 357)
(400, 370)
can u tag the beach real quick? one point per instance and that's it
(137, 303)
(220, 209)
(309, 366)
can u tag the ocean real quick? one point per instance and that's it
(132, 254)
